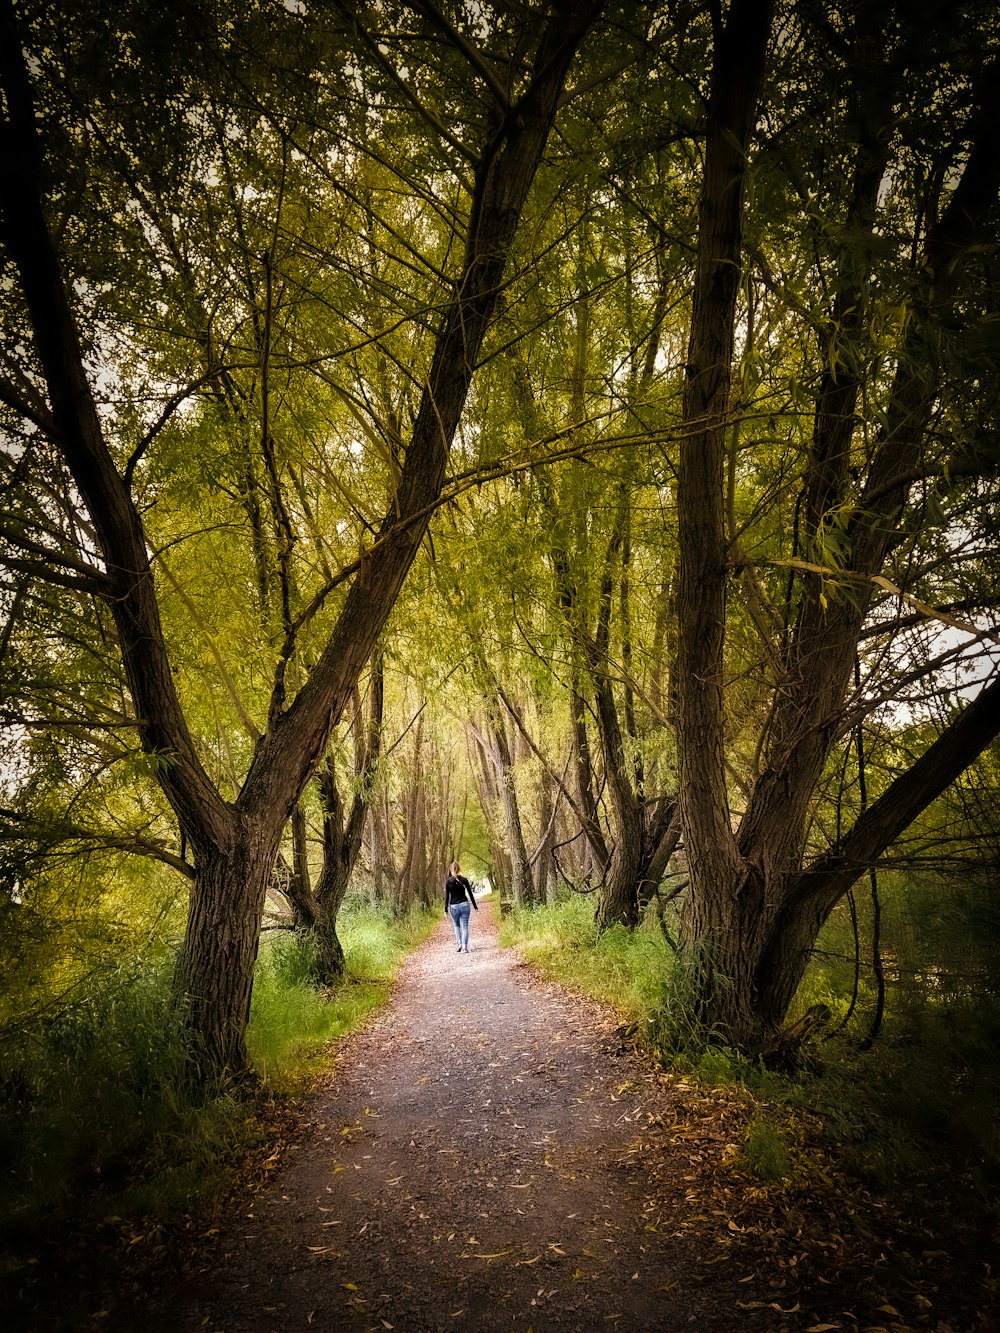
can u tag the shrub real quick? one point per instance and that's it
(764, 1151)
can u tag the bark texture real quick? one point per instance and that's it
(717, 920)
(754, 909)
(235, 843)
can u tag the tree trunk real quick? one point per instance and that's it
(719, 919)
(214, 975)
(235, 845)
(297, 889)
(521, 885)
(549, 798)
(330, 960)
(619, 896)
(343, 838)
(748, 930)
(380, 849)
(489, 799)
(660, 841)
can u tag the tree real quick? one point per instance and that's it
(758, 893)
(342, 828)
(234, 842)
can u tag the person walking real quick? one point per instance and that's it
(459, 901)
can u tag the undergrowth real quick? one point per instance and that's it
(99, 1117)
(620, 967)
(291, 1020)
(920, 1106)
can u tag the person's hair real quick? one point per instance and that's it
(455, 867)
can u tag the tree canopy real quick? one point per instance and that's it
(566, 431)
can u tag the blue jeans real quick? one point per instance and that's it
(460, 920)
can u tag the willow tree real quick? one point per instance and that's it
(896, 207)
(499, 96)
(831, 466)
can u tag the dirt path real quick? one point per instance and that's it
(467, 1168)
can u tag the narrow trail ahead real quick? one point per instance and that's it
(467, 1168)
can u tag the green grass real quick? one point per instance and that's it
(99, 1116)
(623, 968)
(97, 1098)
(764, 1151)
(291, 1021)
(920, 1105)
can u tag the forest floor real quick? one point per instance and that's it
(489, 1154)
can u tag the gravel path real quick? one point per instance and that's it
(467, 1167)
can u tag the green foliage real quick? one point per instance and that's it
(764, 1151)
(291, 1021)
(919, 1106)
(375, 940)
(624, 968)
(922, 1101)
(98, 1114)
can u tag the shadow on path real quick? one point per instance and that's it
(466, 1169)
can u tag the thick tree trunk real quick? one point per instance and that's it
(788, 904)
(227, 903)
(737, 71)
(719, 920)
(214, 975)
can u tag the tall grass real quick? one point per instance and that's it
(291, 1021)
(920, 1104)
(99, 1116)
(97, 1112)
(624, 968)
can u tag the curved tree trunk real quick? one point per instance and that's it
(235, 845)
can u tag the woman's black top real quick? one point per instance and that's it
(457, 889)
